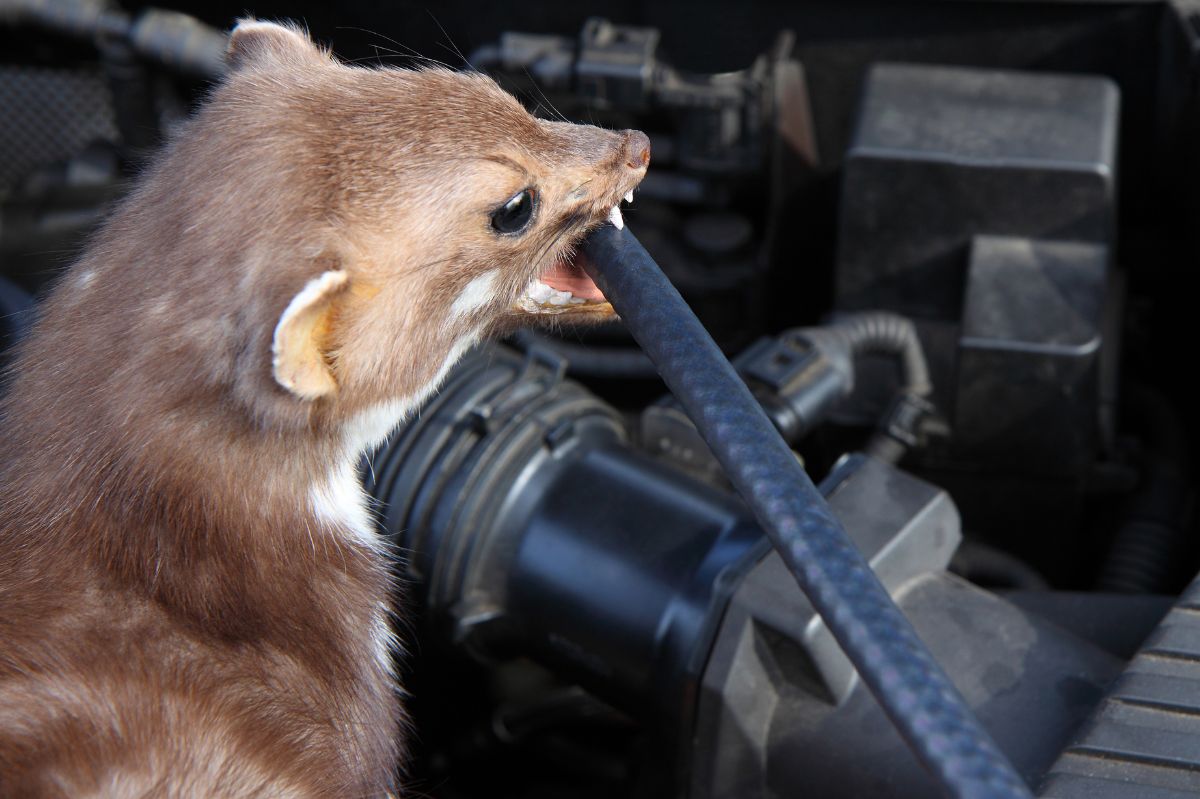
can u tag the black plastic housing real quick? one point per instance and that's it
(532, 528)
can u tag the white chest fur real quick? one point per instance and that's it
(339, 499)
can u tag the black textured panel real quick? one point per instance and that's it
(1143, 742)
(48, 115)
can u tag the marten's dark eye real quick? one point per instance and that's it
(514, 215)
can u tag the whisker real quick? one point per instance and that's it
(558, 113)
(456, 51)
(379, 57)
(571, 225)
(429, 265)
(403, 47)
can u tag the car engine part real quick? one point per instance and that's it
(851, 602)
(947, 248)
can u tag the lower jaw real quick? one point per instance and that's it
(587, 311)
(563, 290)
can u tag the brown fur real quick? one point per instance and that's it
(175, 620)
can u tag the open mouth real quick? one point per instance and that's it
(566, 287)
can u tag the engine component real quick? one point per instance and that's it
(178, 40)
(553, 541)
(1029, 354)
(917, 696)
(610, 362)
(728, 147)
(980, 203)
(1143, 739)
(799, 378)
(1148, 553)
(776, 678)
(532, 528)
(942, 154)
(794, 380)
(70, 134)
(723, 118)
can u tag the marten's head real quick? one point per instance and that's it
(318, 245)
(447, 211)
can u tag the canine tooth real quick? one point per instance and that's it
(629, 196)
(614, 216)
(540, 291)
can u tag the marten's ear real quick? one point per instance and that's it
(300, 360)
(257, 43)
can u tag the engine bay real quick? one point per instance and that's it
(944, 244)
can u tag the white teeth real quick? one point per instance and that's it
(542, 298)
(614, 216)
(629, 196)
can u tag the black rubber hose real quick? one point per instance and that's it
(877, 638)
(994, 568)
(606, 362)
(854, 334)
(1147, 550)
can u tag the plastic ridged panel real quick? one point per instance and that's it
(1143, 741)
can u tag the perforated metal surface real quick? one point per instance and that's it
(47, 115)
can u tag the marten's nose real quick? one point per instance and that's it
(637, 149)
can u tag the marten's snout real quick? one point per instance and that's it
(637, 149)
